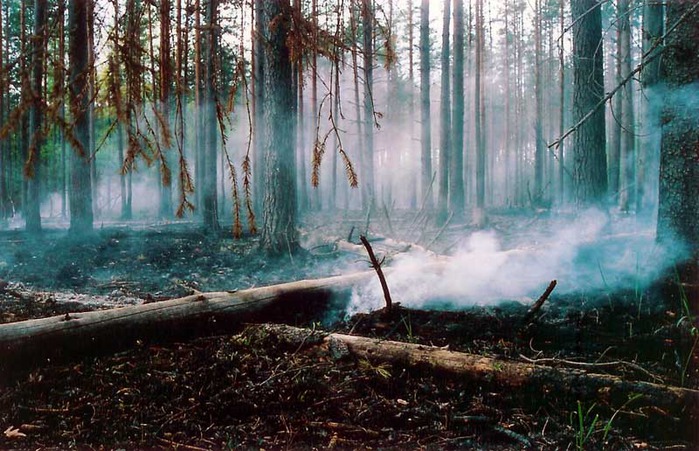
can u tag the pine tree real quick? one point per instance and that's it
(81, 215)
(279, 234)
(678, 202)
(589, 153)
(36, 120)
(425, 115)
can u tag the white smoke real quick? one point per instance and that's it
(588, 254)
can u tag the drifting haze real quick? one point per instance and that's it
(588, 254)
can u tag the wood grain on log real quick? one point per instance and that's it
(27, 343)
(519, 376)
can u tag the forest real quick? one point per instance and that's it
(349, 224)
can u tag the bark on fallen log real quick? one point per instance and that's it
(26, 344)
(517, 376)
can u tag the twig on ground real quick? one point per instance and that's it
(377, 266)
(176, 445)
(550, 361)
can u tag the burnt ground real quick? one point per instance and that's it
(244, 390)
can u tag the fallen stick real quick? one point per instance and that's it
(510, 374)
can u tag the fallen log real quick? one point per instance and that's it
(25, 344)
(507, 374)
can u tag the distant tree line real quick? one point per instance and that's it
(234, 108)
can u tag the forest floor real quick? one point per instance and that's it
(245, 391)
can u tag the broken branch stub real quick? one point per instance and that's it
(377, 267)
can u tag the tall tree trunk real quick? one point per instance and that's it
(413, 174)
(33, 161)
(116, 76)
(650, 137)
(133, 69)
(165, 88)
(479, 117)
(209, 199)
(678, 202)
(562, 104)
(200, 104)
(60, 81)
(181, 110)
(36, 120)
(279, 234)
(258, 138)
(317, 201)
(25, 90)
(456, 172)
(4, 93)
(616, 105)
(539, 155)
(508, 110)
(627, 175)
(81, 215)
(368, 53)
(92, 86)
(300, 126)
(425, 114)
(589, 153)
(445, 148)
(336, 66)
(354, 27)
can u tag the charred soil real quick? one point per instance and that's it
(247, 390)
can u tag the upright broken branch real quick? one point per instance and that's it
(377, 267)
(531, 315)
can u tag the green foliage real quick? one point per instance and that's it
(584, 426)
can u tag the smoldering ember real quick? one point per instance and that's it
(361, 224)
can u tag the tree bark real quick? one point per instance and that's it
(678, 202)
(650, 137)
(524, 377)
(165, 103)
(445, 148)
(425, 113)
(627, 157)
(4, 94)
(81, 215)
(479, 113)
(36, 118)
(367, 175)
(539, 156)
(589, 153)
(279, 234)
(562, 106)
(413, 177)
(456, 171)
(210, 126)
(35, 342)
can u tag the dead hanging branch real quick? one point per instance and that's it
(377, 267)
